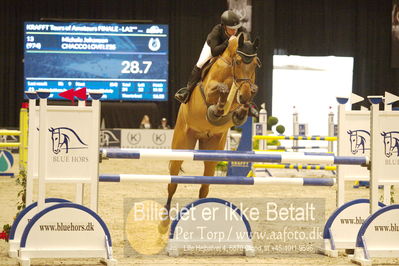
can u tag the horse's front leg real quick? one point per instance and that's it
(219, 94)
(216, 142)
(240, 115)
(223, 90)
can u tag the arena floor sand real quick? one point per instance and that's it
(111, 209)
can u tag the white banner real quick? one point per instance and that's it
(146, 138)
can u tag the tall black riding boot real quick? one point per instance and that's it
(183, 95)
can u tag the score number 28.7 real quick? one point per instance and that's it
(135, 67)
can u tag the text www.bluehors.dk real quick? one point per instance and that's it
(392, 227)
(67, 227)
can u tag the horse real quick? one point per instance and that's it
(61, 139)
(217, 103)
(358, 140)
(391, 142)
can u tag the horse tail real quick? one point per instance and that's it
(181, 171)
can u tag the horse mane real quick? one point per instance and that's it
(244, 47)
(73, 132)
(231, 49)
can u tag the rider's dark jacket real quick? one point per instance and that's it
(218, 40)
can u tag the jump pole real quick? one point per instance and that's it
(198, 155)
(216, 180)
(295, 166)
(297, 137)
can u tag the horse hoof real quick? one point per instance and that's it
(223, 89)
(237, 121)
(211, 113)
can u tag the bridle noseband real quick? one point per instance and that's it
(241, 81)
(238, 82)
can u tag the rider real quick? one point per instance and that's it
(216, 42)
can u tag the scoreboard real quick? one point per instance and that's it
(127, 62)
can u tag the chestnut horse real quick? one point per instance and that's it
(217, 103)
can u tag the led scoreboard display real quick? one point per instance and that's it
(127, 62)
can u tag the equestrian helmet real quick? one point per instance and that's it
(230, 19)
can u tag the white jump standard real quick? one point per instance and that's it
(371, 228)
(78, 231)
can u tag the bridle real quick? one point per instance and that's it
(239, 82)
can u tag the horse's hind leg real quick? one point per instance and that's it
(216, 142)
(174, 168)
(181, 140)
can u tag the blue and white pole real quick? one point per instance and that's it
(259, 156)
(216, 180)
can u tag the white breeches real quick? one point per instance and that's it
(204, 56)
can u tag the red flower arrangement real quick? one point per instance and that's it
(4, 235)
(6, 232)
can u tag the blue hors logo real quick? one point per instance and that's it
(108, 138)
(65, 138)
(391, 143)
(359, 140)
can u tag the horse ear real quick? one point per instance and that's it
(256, 44)
(349, 131)
(51, 129)
(240, 39)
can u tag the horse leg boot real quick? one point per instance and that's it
(217, 110)
(240, 116)
(183, 95)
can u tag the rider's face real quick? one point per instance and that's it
(231, 32)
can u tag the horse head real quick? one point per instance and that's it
(235, 85)
(354, 141)
(245, 61)
(55, 137)
(59, 139)
(387, 143)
